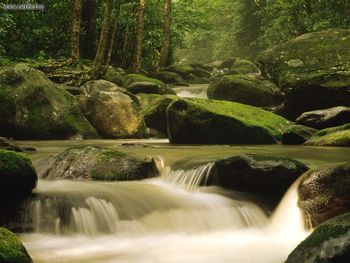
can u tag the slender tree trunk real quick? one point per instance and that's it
(164, 51)
(139, 36)
(114, 33)
(76, 14)
(97, 67)
(88, 19)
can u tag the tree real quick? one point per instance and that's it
(166, 34)
(97, 67)
(88, 20)
(139, 36)
(76, 14)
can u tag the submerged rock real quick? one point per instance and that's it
(113, 111)
(322, 119)
(12, 249)
(307, 70)
(328, 243)
(297, 134)
(325, 192)
(336, 136)
(201, 121)
(154, 110)
(96, 163)
(246, 89)
(33, 107)
(267, 176)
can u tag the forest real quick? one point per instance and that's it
(170, 131)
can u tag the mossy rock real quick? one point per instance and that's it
(325, 118)
(328, 243)
(167, 77)
(297, 134)
(306, 69)
(33, 107)
(206, 67)
(131, 78)
(246, 89)
(227, 64)
(114, 112)
(325, 192)
(181, 69)
(201, 121)
(114, 76)
(99, 164)
(11, 248)
(336, 136)
(149, 88)
(154, 110)
(243, 66)
(263, 175)
(201, 73)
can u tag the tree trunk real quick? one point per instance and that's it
(97, 67)
(164, 51)
(88, 19)
(76, 13)
(114, 33)
(139, 36)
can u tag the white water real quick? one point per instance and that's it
(155, 221)
(193, 91)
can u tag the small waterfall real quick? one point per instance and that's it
(189, 179)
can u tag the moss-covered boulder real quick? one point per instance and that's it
(33, 107)
(181, 69)
(267, 176)
(297, 134)
(325, 192)
(113, 111)
(226, 64)
(149, 88)
(114, 76)
(131, 78)
(246, 89)
(336, 136)
(243, 66)
(201, 121)
(167, 77)
(11, 248)
(328, 243)
(189, 74)
(201, 73)
(154, 110)
(96, 163)
(325, 118)
(206, 67)
(307, 70)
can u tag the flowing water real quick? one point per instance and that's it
(166, 219)
(193, 91)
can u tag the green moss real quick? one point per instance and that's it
(180, 69)
(114, 76)
(242, 66)
(131, 78)
(167, 77)
(335, 136)
(11, 248)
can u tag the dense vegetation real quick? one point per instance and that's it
(198, 30)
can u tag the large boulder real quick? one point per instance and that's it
(33, 107)
(149, 88)
(131, 78)
(243, 66)
(336, 136)
(188, 73)
(113, 112)
(328, 243)
(154, 110)
(325, 118)
(325, 192)
(297, 134)
(11, 248)
(96, 163)
(246, 89)
(114, 76)
(167, 77)
(308, 71)
(226, 64)
(201, 121)
(267, 176)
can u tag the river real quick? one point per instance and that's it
(164, 219)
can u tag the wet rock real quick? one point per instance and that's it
(114, 76)
(167, 77)
(325, 192)
(228, 63)
(149, 88)
(201, 121)
(328, 243)
(96, 163)
(322, 119)
(131, 78)
(297, 134)
(33, 107)
(6, 144)
(336, 136)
